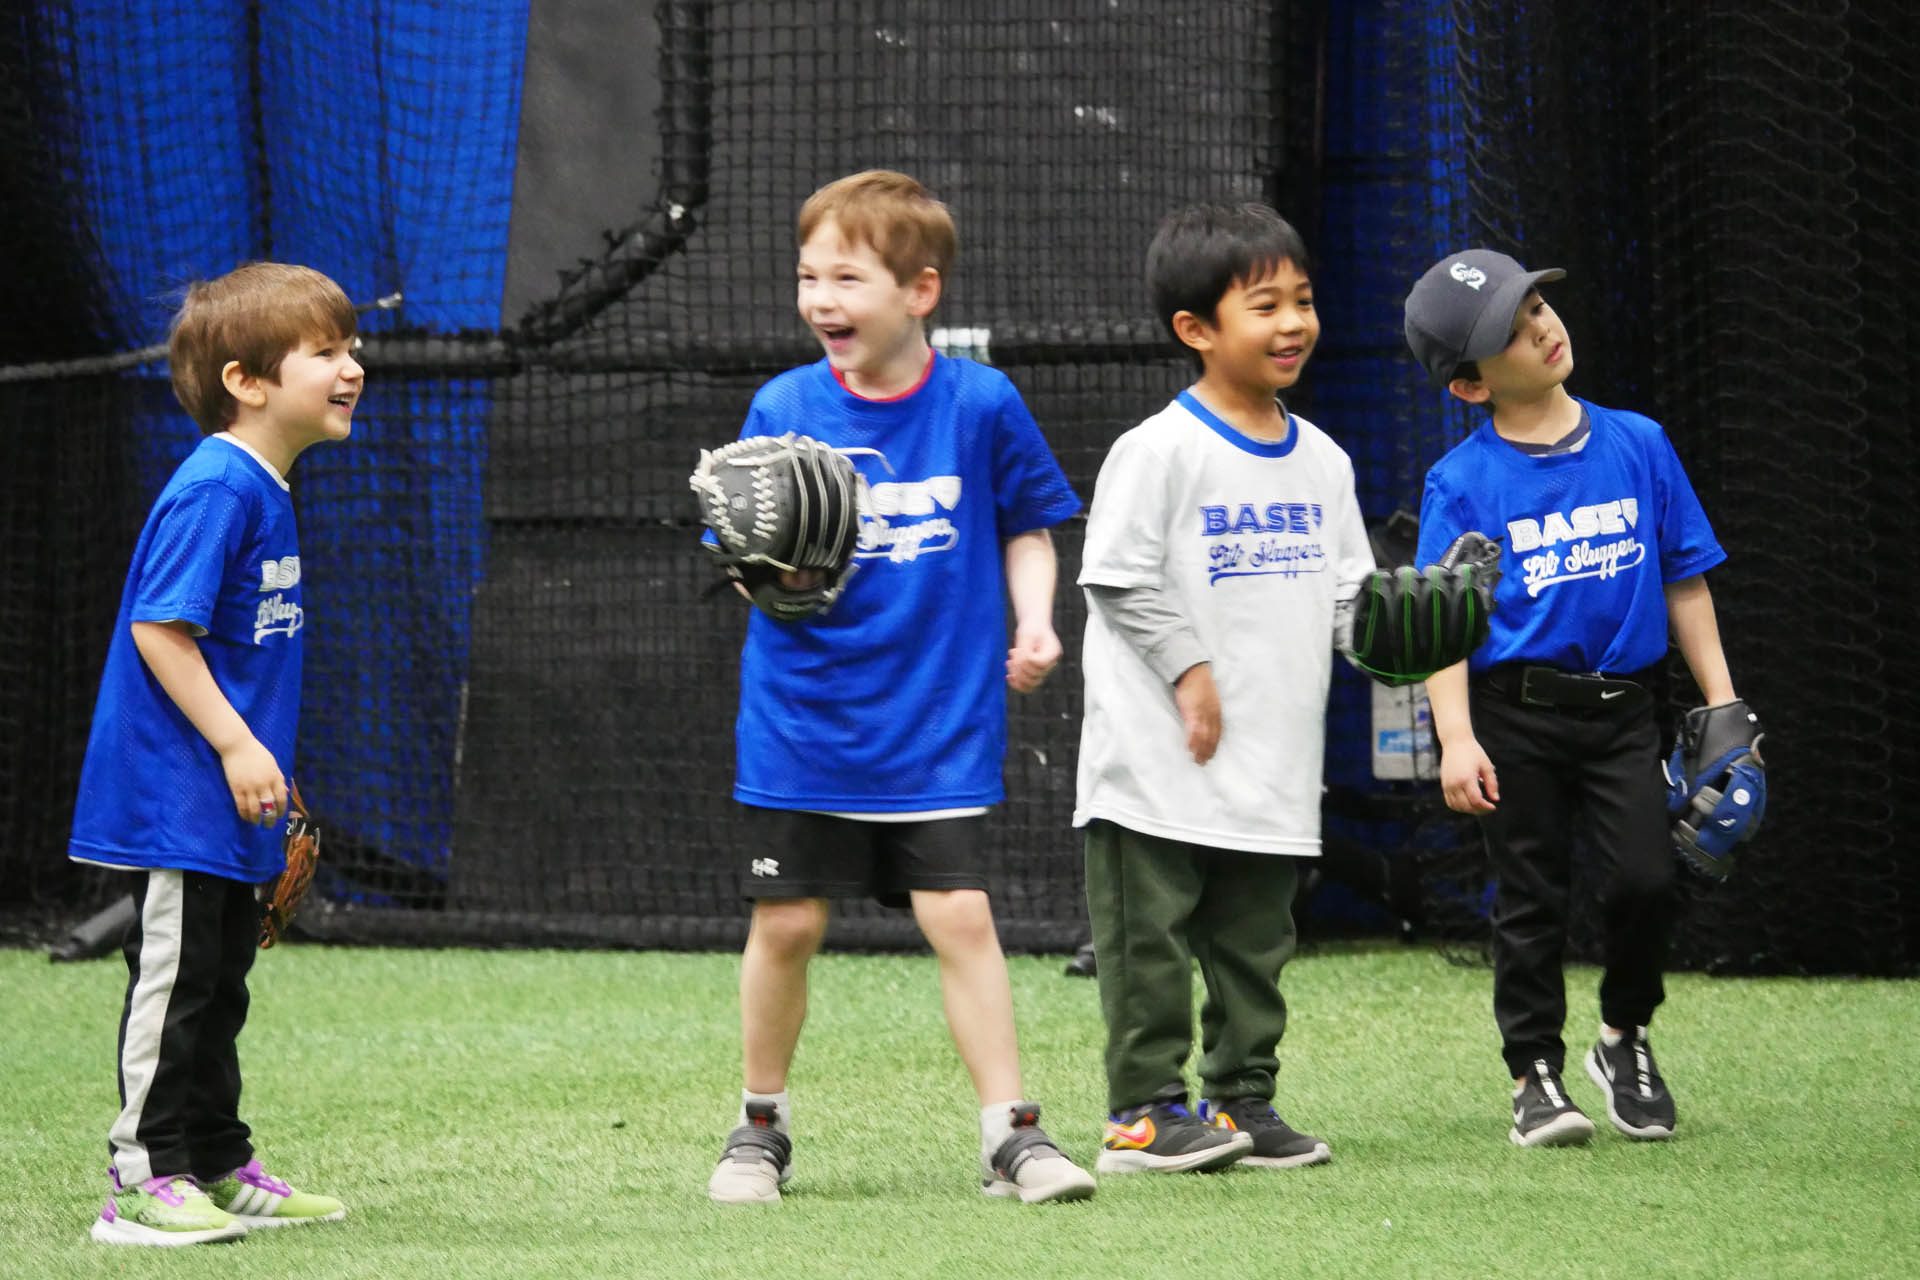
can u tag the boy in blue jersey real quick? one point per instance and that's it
(1553, 716)
(870, 739)
(184, 786)
(1223, 550)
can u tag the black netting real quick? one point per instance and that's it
(1726, 185)
(519, 697)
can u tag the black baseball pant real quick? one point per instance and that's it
(1559, 765)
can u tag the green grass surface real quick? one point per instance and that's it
(523, 1114)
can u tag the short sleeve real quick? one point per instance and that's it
(1687, 543)
(1441, 520)
(1127, 525)
(1352, 551)
(184, 560)
(1030, 491)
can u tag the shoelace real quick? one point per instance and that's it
(1254, 1117)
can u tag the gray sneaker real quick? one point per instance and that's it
(757, 1161)
(1276, 1144)
(1165, 1137)
(1028, 1166)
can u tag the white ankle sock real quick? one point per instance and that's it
(1609, 1037)
(777, 1100)
(996, 1126)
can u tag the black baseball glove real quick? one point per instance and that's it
(781, 505)
(1408, 624)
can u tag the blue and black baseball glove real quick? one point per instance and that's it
(1716, 786)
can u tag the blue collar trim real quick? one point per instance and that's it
(1239, 440)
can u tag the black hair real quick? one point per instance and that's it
(1468, 369)
(1203, 250)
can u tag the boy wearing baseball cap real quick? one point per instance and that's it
(1553, 717)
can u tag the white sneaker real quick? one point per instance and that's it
(757, 1161)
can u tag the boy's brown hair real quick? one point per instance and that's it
(254, 314)
(892, 214)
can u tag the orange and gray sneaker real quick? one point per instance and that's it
(1165, 1137)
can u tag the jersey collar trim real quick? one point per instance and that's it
(254, 453)
(1509, 455)
(1244, 443)
(898, 395)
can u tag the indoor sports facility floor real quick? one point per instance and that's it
(533, 1114)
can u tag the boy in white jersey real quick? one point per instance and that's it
(184, 786)
(1552, 717)
(871, 738)
(1223, 547)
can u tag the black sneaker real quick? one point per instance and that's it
(757, 1161)
(1542, 1114)
(1030, 1167)
(1637, 1099)
(1276, 1144)
(1165, 1137)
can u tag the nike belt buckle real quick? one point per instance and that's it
(1536, 686)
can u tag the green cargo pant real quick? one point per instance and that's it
(1157, 906)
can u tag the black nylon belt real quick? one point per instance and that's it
(1537, 686)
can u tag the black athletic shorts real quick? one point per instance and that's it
(796, 854)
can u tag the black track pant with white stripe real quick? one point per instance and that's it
(188, 951)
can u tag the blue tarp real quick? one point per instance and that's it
(374, 142)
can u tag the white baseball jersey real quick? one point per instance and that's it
(1258, 544)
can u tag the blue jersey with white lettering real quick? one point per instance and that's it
(895, 699)
(220, 552)
(1589, 541)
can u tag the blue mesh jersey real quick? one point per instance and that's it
(1589, 541)
(895, 700)
(219, 551)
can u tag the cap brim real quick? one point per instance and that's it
(1495, 325)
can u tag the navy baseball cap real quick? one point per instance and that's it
(1462, 309)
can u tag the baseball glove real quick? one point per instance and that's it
(1408, 624)
(781, 505)
(1716, 786)
(280, 897)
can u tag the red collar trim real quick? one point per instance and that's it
(921, 382)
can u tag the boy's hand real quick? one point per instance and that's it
(1199, 704)
(254, 778)
(1467, 779)
(1035, 653)
(803, 580)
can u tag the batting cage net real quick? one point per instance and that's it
(571, 223)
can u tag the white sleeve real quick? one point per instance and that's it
(1351, 552)
(1127, 523)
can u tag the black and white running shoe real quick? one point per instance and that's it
(1637, 1099)
(1543, 1115)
